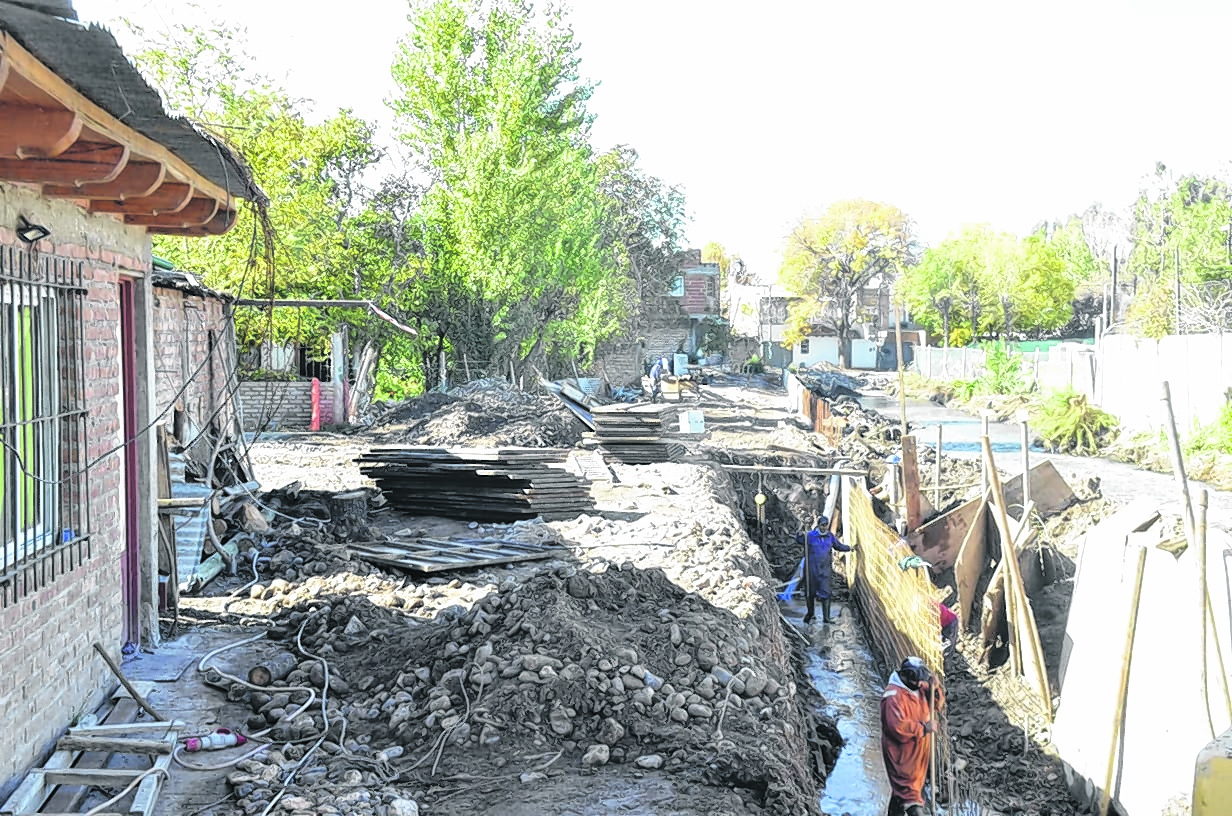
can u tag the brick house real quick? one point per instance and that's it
(90, 166)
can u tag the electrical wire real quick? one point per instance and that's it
(97, 809)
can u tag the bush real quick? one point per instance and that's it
(1069, 423)
(1214, 437)
(754, 365)
(1002, 371)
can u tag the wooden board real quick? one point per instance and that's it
(433, 555)
(939, 541)
(1049, 490)
(969, 565)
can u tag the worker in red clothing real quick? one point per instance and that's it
(906, 735)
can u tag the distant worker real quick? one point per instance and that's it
(819, 545)
(657, 372)
(906, 735)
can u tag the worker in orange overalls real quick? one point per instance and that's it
(906, 735)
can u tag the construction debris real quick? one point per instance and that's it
(501, 484)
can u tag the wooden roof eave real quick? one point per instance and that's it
(54, 137)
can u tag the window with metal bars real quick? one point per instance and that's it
(44, 500)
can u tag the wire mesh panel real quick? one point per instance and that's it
(43, 467)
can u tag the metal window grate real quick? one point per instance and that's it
(44, 495)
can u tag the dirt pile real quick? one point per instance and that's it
(653, 660)
(483, 413)
(566, 662)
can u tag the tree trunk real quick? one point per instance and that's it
(365, 381)
(945, 326)
(844, 331)
(1007, 313)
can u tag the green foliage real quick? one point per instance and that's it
(1214, 437)
(1067, 422)
(531, 249)
(1002, 375)
(990, 281)
(310, 173)
(1003, 372)
(827, 261)
(1072, 249)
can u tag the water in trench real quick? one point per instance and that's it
(842, 669)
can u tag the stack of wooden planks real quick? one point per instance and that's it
(633, 434)
(482, 484)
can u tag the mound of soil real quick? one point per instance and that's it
(484, 413)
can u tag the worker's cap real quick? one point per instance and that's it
(914, 670)
(822, 521)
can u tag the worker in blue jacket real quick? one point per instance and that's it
(819, 545)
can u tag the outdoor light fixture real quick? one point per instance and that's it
(30, 233)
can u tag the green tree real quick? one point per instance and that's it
(643, 230)
(828, 261)
(310, 172)
(930, 289)
(491, 104)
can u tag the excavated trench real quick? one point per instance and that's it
(835, 658)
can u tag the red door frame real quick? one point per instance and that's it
(132, 500)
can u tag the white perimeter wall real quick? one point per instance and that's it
(1123, 375)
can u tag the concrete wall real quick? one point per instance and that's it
(277, 406)
(1122, 375)
(820, 350)
(185, 326)
(51, 671)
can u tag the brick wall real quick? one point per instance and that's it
(51, 673)
(183, 326)
(283, 405)
(620, 363)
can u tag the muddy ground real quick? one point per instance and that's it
(645, 669)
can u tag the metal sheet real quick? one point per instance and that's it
(433, 555)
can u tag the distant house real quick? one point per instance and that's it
(91, 165)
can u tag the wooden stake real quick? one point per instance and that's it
(911, 483)
(124, 681)
(937, 473)
(902, 387)
(1178, 463)
(1202, 600)
(1126, 660)
(1026, 458)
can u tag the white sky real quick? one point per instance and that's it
(766, 110)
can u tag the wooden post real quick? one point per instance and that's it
(444, 373)
(1026, 458)
(911, 483)
(1200, 536)
(984, 435)
(902, 388)
(1178, 464)
(1126, 660)
(937, 473)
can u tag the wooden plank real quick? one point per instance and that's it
(122, 728)
(96, 777)
(911, 483)
(148, 790)
(1049, 490)
(969, 565)
(939, 541)
(69, 798)
(120, 745)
